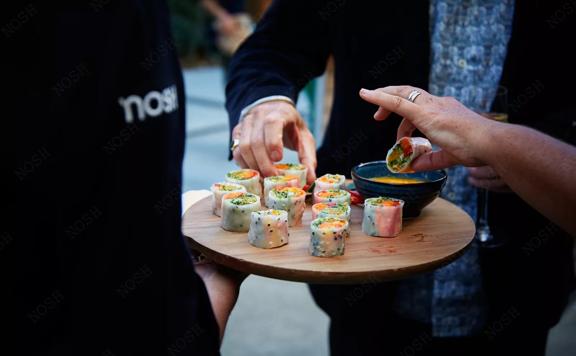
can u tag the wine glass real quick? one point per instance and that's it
(499, 112)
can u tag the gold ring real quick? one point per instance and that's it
(235, 143)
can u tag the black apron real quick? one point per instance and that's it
(92, 258)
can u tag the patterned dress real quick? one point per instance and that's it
(469, 39)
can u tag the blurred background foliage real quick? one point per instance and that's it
(190, 27)
(193, 30)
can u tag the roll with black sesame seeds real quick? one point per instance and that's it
(236, 210)
(219, 190)
(328, 236)
(291, 199)
(278, 182)
(269, 228)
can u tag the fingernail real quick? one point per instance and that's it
(275, 156)
(364, 91)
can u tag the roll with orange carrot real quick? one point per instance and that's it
(406, 150)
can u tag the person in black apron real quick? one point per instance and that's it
(92, 258)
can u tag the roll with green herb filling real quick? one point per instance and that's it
(382, 217)
(329, 181)
(291, 199)
(236, 210)
(406, 150)
(278, 182)
(249, 178)
(269, 228)
(331, 210)
(293, 169)
(332, 196)
(219, 190)
(328, 236)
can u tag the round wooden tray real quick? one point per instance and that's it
(438, 236)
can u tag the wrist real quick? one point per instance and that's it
(485, 141)
(268, 99)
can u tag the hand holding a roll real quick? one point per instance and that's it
(445, 121)
(514, 152)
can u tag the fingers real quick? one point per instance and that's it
(381, 114)
(245, 148)
(263, 134)
(485, 172)
(495, 185)
(259, 151)
(238, 159)
(307, 153)
(404, 91)
(406, 128)
(487, 178)
(273, 139)
(236, 135)
(433, 160)
(391, 103)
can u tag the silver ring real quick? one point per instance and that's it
(413, 95)
(235, 143)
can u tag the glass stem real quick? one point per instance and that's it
(482, 208)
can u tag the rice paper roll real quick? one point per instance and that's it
(236, 210)
(248, 178)
(406, 150)
(328, 236)
(291, 199)
(331, 210)
(332, 196)
(268, 228)
(293, 169)
(329, 181)
(278, 182)
(219, 190)
(382, 217)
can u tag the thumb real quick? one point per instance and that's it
(307, 154)
(434, 160)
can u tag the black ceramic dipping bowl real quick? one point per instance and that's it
(416, 196)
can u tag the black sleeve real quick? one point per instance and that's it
(289, 47)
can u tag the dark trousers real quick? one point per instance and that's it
(364, 324)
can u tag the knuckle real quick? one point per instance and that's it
(272, 117)
(397, 102)
(275, 145)
(248, 118)
(257, 142)
(244, 146)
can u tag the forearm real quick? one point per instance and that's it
(222, 306)
(223, 286)
(539, 168)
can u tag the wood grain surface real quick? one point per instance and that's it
(439, 235)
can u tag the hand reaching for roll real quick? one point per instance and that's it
(266, 130)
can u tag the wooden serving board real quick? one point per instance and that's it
(438, 236)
